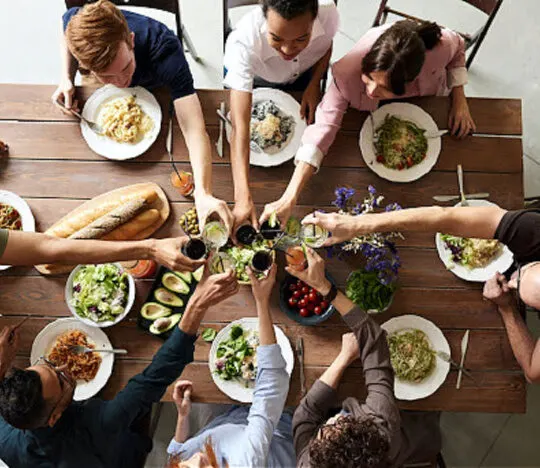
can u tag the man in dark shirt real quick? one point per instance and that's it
(360, 434)
(41, 426)
(128, 49)
(519, 230)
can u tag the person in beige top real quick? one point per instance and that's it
(358, 434)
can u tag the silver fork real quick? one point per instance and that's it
(464, 201)
(79, 349)
(93, 125)
(446, 357)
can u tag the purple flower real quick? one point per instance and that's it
(343, 194)
(372, 189)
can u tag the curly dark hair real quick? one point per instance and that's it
(401, 51)
(290, 9)
(350, 443)
(21, 401)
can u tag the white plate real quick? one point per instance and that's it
(234, 389)
(47, 337)
(499, 264)
(68, 294)
(28, 221)
(289, 106)
(415, 391)
(408, 112)
(107, 147)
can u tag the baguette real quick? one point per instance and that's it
(110, 221)
(70, 224)
(133, 227)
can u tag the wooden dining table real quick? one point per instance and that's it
(53, 169)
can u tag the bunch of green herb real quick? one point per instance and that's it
(235, 356)
(366, 290)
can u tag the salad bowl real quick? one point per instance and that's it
(87, 295)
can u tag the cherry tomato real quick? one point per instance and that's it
(318, 310)
(400, 166)
(324, 305)
(304, 312)
(305, 290)
(380, 158)
(313, 297)
(302, 303)
(296, 294)
(409, 161)
(293, 287)
(310, 306)
(293, 302)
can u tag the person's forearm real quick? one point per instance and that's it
(341, 302)
(332, 375)
(525, 348)
(301, 175)
(240, 137)
(69, 64)
(193, 315)
(320, 68)
(458, 94)
(182, 429)
(191, 121)
(28, 248)
(466, 222)
(267, 335)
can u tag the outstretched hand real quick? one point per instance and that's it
(314, 275)
(262, 288)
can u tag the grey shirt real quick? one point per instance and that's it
(413, 438)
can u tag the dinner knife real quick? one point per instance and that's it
(469, 196)
(464, 346)
(219, 142)
(300, 353)
(437, 134)
(252, 145)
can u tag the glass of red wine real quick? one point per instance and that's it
(246, 234)
(194, 249)
(262, 261)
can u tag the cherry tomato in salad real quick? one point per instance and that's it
(302, 303)
(293, 302)
(305, 290)
(310, 306)
(380, 158)
(324, 305)
(293, 287)
(296, 294)
(317, 310)
(304, 312)
(313, 297)
(409, 161)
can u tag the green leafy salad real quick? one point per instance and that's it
(472, 252)
(399, 143)
(411, 355)
(100, 292)
(236, 357)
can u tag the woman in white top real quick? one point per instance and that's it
(285, 44)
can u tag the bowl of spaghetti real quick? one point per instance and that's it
(130, 121)
(91, 370)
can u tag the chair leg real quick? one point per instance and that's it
(380, 12)
(483, 33)
(188, 45)
(440, 461)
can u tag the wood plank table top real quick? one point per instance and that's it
(51, 166)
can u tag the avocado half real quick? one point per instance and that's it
(197, 274)
(153, 311)
(174, 283)
(185, 275)
(164, 296)
(164, 324)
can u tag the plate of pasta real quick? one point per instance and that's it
(90, 370)
(130, 119)
(276, 127)
(15, 215)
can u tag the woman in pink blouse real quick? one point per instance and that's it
(401, 60)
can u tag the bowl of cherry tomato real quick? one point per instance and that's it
(303, 303)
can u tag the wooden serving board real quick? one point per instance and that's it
(161, 204)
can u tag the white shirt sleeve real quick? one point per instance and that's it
(311, 155)
(237, 61)
(457, 77)
(329, 17)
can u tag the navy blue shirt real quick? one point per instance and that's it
(159, 57)
(97, 433)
